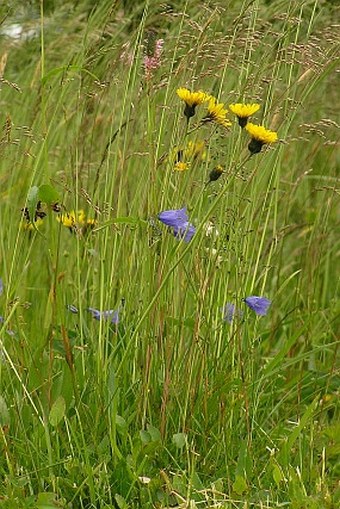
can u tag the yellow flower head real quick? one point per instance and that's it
(181, 166)
(259, 137)
(243, 112)
(25, 225)
(191, 99)
(68, 219)
(217, 113)
(182, 157)
(195, 150)
(74, 220)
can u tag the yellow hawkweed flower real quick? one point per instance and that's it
(28, 226)
(181, 166)
(68, 219)
(243, 112)
(191, 99)
(259, 137)
(75, 220)
(216, 113)
(195, 150)
(182, 157)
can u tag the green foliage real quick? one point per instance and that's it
(170, 405)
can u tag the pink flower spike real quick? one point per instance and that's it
(153, 62)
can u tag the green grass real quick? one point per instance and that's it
(173, 407)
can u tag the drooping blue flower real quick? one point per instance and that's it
(178, 221)
(230, 311)
(185, 231)
(174, 218)
(111, 314)
(1, 286)
(259, 305)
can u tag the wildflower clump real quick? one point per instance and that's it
(243, 112)
(191, 99)
(178, 220)
(259, 136)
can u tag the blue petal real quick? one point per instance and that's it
(1, 286)
(111, 314)
(259, 305)
(95, 313)
(184, 231)
(174, 218)
(230, 311)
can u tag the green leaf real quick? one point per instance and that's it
(154, 433)
(47, 501)
(307, 416)
(179, 440)
(243, 463)
(4, 413)
(121, 423)
(145, 436)
(277, 474)
(121, 502)
(57, 412)
(240, 485)
(32, 195)
(121, 220)
(32, 202)
(48, 194)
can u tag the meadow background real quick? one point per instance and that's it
(173, 406)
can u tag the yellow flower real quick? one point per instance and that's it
(182, 157)
(216, 113)
(68, 219)
(243, 112)
(191, 99)
(195, 150)
(74, 220)
(29, 226)
(259, 137)
(181, 166)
